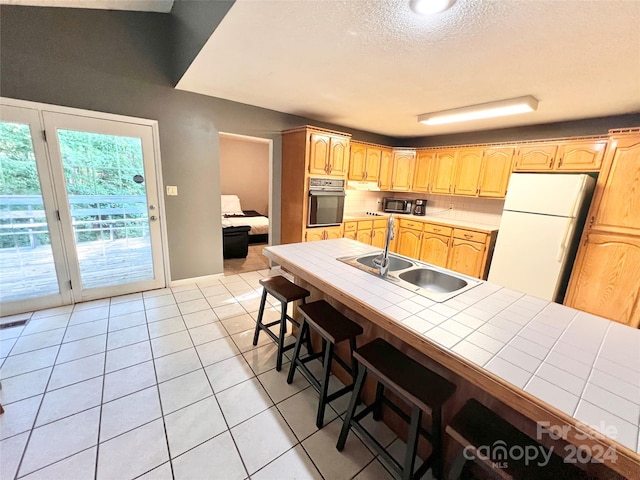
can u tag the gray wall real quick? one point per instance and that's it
(120, 62)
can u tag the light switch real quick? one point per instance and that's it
(172, 190)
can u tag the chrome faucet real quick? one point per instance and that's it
(384, 261)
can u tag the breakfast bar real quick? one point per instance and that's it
(566, 378)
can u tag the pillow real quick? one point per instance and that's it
(230, 205)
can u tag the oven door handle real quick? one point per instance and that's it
(325, 193)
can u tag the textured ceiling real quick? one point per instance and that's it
(163, 6)
(375, 65)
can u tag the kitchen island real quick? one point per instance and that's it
(567, 378)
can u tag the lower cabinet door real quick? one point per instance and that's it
(364, 236)
(409, 242)
(378, 237)
(466, 257)
(434, 249)
(605, 278)
(333, 233)
(314, 235)
(351, 235)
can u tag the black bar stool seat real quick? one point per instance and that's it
(334, 328)
(286, 292)
(422, 389)
(476, 426)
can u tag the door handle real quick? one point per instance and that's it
(153, 218)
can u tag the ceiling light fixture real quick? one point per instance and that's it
(430, 7)
(500, 108)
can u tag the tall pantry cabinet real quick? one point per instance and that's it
(309, 152)
(606, 276)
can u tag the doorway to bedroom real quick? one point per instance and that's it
(245, 185)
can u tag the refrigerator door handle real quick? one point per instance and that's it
(565, 237)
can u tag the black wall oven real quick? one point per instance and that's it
(326, 202)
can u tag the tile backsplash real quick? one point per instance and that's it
(479, 210)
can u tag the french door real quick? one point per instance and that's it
(79, 209)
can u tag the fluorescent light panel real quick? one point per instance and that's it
(500, 108)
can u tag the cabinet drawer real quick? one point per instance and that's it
(380, 223)
(350, 226)
(439, 229)
(411, 224)
(365, 224)
(469, 235)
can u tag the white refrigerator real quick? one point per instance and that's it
(539, 232)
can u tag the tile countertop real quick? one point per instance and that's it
(583, 365)
(454, 222)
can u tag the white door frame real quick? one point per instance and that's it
(41, 107)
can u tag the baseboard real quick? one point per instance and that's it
(189, 281)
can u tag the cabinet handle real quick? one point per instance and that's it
(550, 162)
(467, 236)
(479, 188)
(436, 229)
(593, 218)
(450, 187)
(560, 162)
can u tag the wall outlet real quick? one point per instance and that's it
(172, 190)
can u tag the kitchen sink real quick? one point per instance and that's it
(433, 280)
(435, 283)
(395, 262)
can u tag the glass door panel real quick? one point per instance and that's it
(104, 175)
(31, 260)
(27, 268)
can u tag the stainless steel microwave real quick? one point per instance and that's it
(397, 205)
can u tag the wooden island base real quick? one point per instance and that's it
(465, 390)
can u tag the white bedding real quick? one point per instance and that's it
(259, 225)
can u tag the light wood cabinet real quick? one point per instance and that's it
(364, 162)
(616, 204)
(535, 158)
(581, 156)
(327, 233)
(434, 249)
(467, 171)
(403, 166)
(444, 166)
(409, 242)
(386, 169)
(606, 278)
(331, 233)
(466, 257)
(357, 160)
(606, 274)
(350, 230)
(495, 172)
(422, 174)
(378, 237)
(328, 154)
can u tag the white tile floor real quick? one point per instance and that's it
(165, 384)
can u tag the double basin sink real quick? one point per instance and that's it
(432, 282)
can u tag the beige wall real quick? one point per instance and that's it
(244, 171)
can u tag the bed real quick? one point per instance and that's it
(241, 227)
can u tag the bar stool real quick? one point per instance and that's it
(476, 426)
(420, 388)
(285, 291)
(334, 328)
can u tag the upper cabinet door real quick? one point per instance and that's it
(535, 158)
(443, 169)
(582, 156)
(372, 165)
(467, 171)
(616, 205)
(357, 161)
(338, 156)
(403, 165)
(319, 153)
(495, 173)
(386, 169)
(422, 175)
